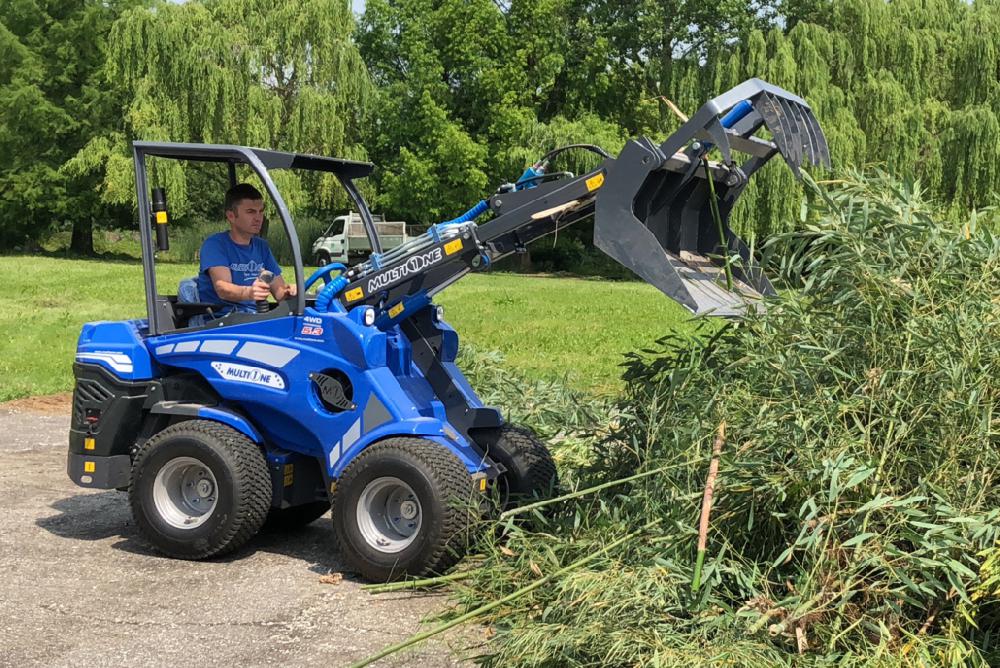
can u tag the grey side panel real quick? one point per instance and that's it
(375, 415)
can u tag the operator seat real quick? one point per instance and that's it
(187, 293)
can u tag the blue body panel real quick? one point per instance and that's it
(118, 347)
(237, 422)
(261, 370)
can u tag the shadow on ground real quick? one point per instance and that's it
(106, 515)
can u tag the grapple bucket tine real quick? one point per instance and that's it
(653, 213)
(805, 132)
(794, 136)
(824, 150)
(773, 115)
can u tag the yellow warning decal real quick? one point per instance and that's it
(88, 467)
(595, 181)
(289, 474)
(354, 295)
(88, 444)
(482, 484)
(396, 310)
(453, 247)
(161, 217)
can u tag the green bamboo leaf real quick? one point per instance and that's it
(857, 540)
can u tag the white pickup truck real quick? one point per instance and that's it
(346, 241)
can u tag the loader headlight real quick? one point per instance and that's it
(438, 313)
(369, 316)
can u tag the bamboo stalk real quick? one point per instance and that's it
(706, 503)
(583, 492)
(674, 108)
(713, 204)
(483, 609)
(383, 587)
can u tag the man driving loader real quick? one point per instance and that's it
(231, 262)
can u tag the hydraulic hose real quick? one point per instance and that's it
(329, 292)
(471, 214)
(331, 289)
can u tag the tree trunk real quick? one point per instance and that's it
(82, 241)
(525, 266)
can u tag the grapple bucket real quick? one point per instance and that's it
(653, 213)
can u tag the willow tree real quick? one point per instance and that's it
(282, 74)
(51, 104)
(911, 86)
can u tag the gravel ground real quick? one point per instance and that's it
(80, 588)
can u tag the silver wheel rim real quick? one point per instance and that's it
(185, 493)
(389, 514)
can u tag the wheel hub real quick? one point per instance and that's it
(184, 492)
(408, 509)
(389, 514)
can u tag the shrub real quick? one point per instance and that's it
(856, 498)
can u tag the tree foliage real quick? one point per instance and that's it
(450, 98)
(51, 103)
(269, 73)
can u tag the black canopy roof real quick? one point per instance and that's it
(351, 169)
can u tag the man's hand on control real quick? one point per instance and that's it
(290, 291)
(259, 291)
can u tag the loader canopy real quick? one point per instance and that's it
(165, 309)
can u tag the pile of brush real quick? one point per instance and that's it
(849, 438)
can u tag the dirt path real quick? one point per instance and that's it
(80, 588)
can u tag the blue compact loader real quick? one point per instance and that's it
(347, 395)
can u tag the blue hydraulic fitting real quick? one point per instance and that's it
(404, 309)
(736, 114)
(732, 117)
(529, 175)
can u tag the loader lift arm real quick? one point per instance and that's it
(652, 208)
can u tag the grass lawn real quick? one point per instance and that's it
(557, 328)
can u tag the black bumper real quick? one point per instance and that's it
(99, 472)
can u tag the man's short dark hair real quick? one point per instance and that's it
(240, 192)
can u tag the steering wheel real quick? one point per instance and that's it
(325, 299)
(324, 273)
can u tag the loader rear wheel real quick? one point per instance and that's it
(296, 517)
(531, 473)
(199, 489)
(404, 506)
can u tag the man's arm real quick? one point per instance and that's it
(281, 290)
(222, 281)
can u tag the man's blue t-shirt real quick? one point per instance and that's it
(244, 262)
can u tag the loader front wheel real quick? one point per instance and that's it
(199, 489)
(404, 506)
(531, 473)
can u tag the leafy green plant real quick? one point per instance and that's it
(855, 499)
